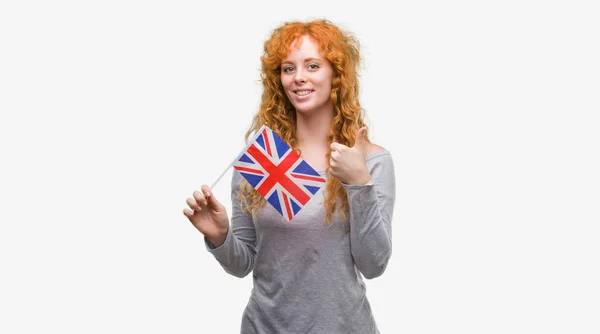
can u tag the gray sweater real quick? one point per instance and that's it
(306, 274)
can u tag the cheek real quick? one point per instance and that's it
(325, 80)
(325, 85)
(284, 82)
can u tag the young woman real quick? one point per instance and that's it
(308, 272)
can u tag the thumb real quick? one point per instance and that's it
(360, 141)
(210, 198)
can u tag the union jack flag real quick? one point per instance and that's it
(278, 173)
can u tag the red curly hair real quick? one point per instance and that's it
(342, 50)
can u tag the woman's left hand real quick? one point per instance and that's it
(349, 164)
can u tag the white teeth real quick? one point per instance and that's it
(303, 92)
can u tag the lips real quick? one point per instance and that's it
(303, 92)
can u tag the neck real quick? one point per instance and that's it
(313, 129)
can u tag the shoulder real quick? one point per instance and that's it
(379, 159)
(376, 152)
(374, 148)
(381, 167)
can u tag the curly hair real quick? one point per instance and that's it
(341, 49)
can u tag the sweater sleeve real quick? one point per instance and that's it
(371, 211)
(236, 255)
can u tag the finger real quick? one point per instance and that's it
(188, 213)
(200, 198)
(210, 197)
(193, 204)
(337, 146)
(335, 155)
(360, 138)
(205, 191)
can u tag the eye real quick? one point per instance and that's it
(313, 66)
(287, 69)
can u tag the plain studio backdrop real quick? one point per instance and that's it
(114, 112)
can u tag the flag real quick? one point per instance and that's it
(278, 173)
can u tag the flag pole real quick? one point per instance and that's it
(250, 142)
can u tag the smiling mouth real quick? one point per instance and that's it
(303, 92)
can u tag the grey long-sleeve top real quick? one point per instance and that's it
(306, 273)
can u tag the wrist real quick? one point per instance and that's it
(219, 239)
(361, 180)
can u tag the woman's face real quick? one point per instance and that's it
(306, 78)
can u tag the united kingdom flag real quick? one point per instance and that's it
(278, 173)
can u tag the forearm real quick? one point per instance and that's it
(235, 256)
(370, 231)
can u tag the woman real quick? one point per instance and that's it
(306, 271)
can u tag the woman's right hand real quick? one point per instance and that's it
(208, 216)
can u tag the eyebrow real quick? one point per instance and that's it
(305, 60)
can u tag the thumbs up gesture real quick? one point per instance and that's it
(349, 164)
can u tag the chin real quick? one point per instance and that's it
(303, 109)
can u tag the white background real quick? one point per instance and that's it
(114, 112)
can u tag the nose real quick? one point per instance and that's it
(300, 78)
